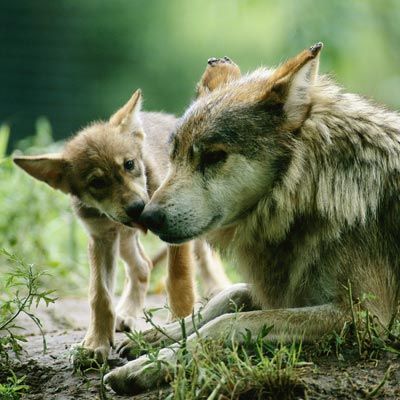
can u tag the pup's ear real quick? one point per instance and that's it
(47, 168)
(219, 72)
(291, 83)
(128, 115)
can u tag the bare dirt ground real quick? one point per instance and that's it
(50, 375)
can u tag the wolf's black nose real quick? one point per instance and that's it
(153, 218)
(135, 209)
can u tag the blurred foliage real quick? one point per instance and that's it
(37, 224)
(78, 61)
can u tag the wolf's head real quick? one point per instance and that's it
(231, 148)
(102, 165)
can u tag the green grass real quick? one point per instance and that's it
(13, 388)
(363, 336)
(254, 370)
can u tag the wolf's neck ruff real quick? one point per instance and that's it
(344, 164)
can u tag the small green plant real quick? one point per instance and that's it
(84, 364)
(13, 388)
(19, 291)
(363, 335)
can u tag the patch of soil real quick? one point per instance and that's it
(51, 377)
(330, 378)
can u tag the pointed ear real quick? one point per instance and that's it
(128, 114)
(291, 83)
(47, 168)
(219, 72)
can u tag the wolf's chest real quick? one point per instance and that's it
(285, 274)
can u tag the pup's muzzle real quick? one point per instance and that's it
(133, 211)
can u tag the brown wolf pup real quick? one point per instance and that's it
(299, 182)
(110, 169)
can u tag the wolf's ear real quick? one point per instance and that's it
(219, 72)
(128, 115)
(291, 83)
(47, 168)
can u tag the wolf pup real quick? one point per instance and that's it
(110, 169)
(299, 182)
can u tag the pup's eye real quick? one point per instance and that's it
(98, 183)
(129, 165)
(213, 157)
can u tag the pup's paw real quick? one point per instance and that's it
(125, 323)
(140, 375)
(219, 72)
(224, 60)
(90, 351)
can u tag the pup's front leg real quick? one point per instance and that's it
(103, 252)
(180, 282)
(213, 277)
(137, 271)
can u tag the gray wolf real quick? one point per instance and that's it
(297, 181)
(110, 169)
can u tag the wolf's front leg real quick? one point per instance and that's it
(137, 271)
(237, 297)
(103, 252)
(142, 375)
(307, 324)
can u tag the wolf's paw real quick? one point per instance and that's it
(140, 375)
(90, 351)
(131, 349)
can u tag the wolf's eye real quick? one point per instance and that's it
(98, 183)
(129, 165)
(213, 157)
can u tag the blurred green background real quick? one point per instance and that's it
(65, 63)
(76, 61)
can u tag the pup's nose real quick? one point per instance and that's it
(153, 218)
(135, 209)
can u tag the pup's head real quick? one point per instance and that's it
(231, 148)
(102, 165)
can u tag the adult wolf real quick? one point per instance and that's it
(299, 183)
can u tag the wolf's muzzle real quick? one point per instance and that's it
(153, 218)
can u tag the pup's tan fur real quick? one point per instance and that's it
(110, 169)
(299, 183)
